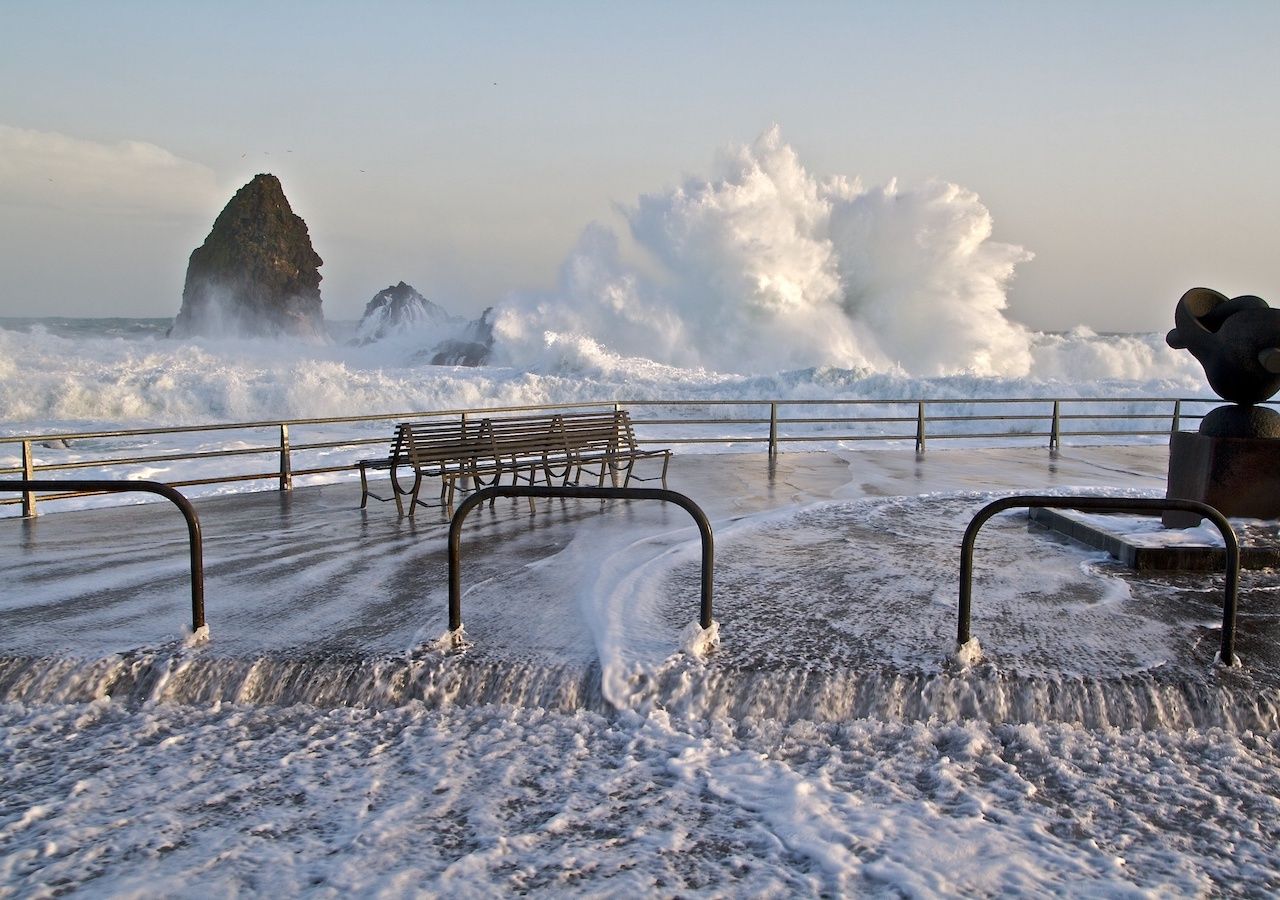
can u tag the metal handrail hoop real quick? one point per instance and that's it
(586, 493)
(1226, 651)
(188, 511)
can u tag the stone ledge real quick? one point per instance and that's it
(1259, 544)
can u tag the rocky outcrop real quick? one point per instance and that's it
(472, 348)
(400, 308)
(256, 275)
(401, 317)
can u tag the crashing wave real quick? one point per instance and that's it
(766, 267)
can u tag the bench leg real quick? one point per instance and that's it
(413, 495)
(666, 461)
(364, 488)
(395, 495)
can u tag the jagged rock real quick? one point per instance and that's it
(402, 315)
(256, 275)
(460, 353)
(400, 308)
(471, 348)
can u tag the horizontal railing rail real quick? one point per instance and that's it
(238, 452)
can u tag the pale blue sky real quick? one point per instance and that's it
(1131, 146)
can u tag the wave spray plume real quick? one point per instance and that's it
(766, 267)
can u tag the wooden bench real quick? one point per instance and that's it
(396, 456)
(442, 446)
(552, 449)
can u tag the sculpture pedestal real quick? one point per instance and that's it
(1236, 476)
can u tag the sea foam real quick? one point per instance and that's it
(52, 382)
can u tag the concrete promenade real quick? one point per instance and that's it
(286, 571)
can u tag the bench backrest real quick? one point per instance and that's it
(626, 431)
(514, 438)
(519, 437)
(442, 441)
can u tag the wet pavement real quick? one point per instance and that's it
(834, 572)
(308, 569)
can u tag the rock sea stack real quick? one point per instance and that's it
(256, 274)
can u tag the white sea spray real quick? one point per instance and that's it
(765, 265)
(55, 381)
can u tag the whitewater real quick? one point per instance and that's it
(823, 740)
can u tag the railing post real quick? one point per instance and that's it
(773, 429)
(28, 473)
(286, 465)
(920, 427)
(1177, 417)
(1055, 430)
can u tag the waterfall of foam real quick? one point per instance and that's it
(684, 687)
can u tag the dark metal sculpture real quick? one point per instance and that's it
(1231, 464)
(1237, 341)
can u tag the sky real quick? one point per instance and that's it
(464, 147)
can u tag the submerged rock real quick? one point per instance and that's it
(256, 274)
(472, 348)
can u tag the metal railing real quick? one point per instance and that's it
(585, 493)
(333, 444)
(1226, 651)
(29, 486)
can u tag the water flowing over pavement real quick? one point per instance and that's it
(586, 741)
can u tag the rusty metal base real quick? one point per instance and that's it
(1239, 477)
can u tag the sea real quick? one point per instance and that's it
(65, 374)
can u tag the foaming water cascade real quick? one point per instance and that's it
(683, 687)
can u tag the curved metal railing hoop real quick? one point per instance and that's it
(148, 487)
(1226, 652)
(586, 493)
